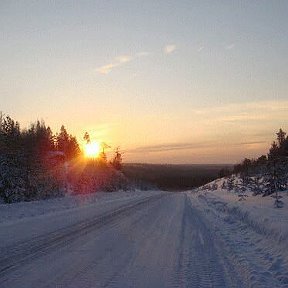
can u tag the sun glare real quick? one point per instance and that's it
(92, 149)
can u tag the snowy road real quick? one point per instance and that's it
(158, 241)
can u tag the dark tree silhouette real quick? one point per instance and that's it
(67, 144)
(26, 170)
(117, 160)
(86, 137)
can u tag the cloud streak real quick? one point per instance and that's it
(186, 146)
(119, 61)
(201, 48)
(246, 111)
(229, 46)
(169, 49)
(125, 59)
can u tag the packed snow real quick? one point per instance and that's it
(199, 238)
(254, 230)
(21, 210)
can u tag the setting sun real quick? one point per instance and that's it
(92, 149)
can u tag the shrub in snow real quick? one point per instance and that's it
(231, 183)
(213, 187)
(241, 194)
(278, 203)
(256, 184)
(93, 177)
(21, 180)
(205, 187)
(276, 179)
(242, 186)
(12, 183)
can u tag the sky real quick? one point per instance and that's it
(167, 81)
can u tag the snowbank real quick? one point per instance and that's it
(17, 211)
(253, 234)
(256, 211)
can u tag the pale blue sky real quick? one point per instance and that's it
(140, 74)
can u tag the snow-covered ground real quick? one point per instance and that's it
(152, 239)
(255, 232)
(22, 221)
(17, 211)
(256, 211)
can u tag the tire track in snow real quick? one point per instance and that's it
(13, 257)
(148, 243)
(200, 263)
(250, 252)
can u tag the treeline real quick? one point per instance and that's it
(37, 164)
(267, 174)
(172, 177)
(276, 158)
(36, 141)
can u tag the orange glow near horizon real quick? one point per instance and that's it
(92, 150)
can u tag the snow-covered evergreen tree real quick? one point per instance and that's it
(231, 183)
(242, 185)
(276, 179)
(256, 184)
(12, 183)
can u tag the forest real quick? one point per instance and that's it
(267, 175)
(37, 164)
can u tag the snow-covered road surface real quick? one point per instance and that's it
(152, 240)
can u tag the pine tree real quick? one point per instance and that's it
(117, 160)
(87, 137)
(281, 137)
(102, 156)
(242, 185)
(67, 144)
(256, 184)
(224, 185)
(276, 179)
(230, 183)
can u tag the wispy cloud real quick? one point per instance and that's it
(252, 143)
(105, 69)
(143, 54)
(200, 48)
(124, 59)
(257, 110)
(169, 49)
(119, 61)
(243, 117)
(252, 121)
(187, 146)
(229, 46)
(167, 147)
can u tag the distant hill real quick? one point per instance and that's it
(173, 177)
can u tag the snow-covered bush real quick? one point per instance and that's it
(12, 183)
(242, 186)
(231, 183)
(92, 177)
(256, 184)
(278, 203)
